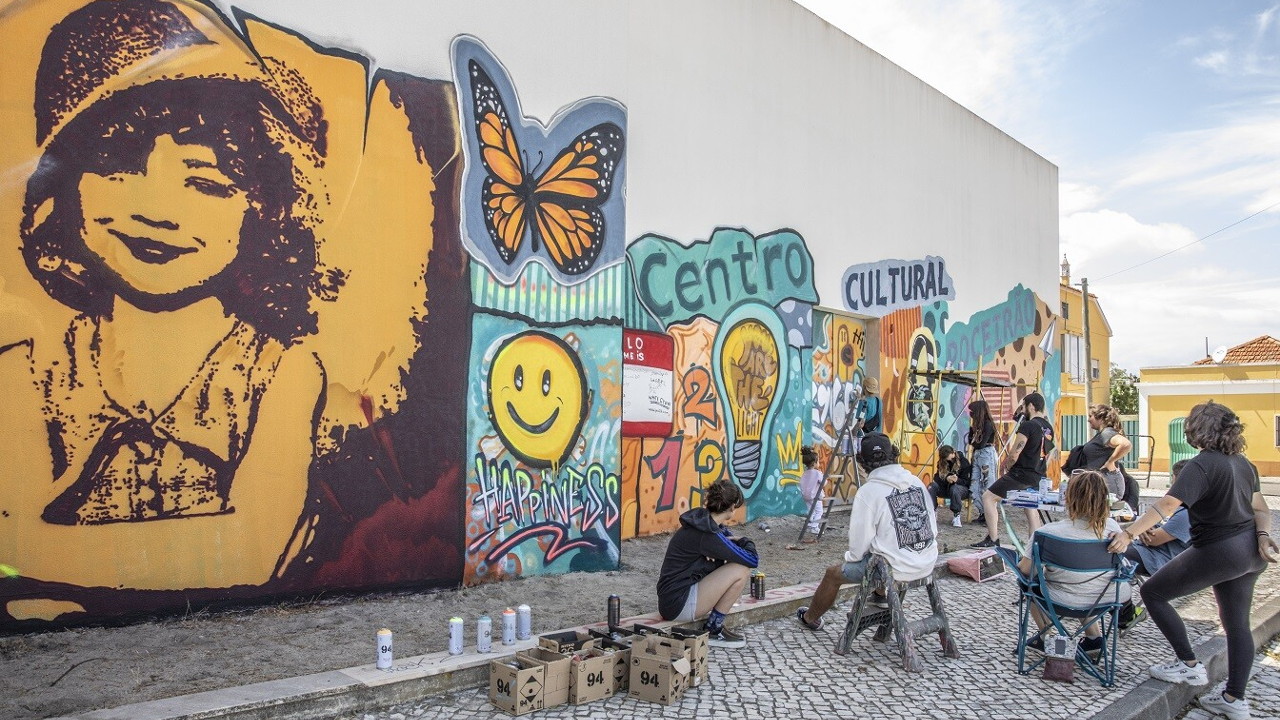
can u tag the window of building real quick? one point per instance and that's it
(1094, 369)
(1073, 358)
(1278, 431)
(1066, 311)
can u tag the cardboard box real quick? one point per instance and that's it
(621, 649)
(660, 668)
(516, 690)
(591, 675)
(565, 642)
(696, 642)
(555, 667)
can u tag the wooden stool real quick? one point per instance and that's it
(863, 616)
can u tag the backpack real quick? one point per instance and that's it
(1075, 460)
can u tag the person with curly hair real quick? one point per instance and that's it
(981, 440)
(706, 566)
(1231, 545)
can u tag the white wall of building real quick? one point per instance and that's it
(750, 113)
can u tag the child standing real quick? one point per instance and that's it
(811, 488)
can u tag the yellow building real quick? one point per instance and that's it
(1078, 365)
(1246, 379)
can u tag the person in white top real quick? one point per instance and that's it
(891, 516)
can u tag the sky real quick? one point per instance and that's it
(1163, 117)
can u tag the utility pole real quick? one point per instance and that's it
(1088, 347)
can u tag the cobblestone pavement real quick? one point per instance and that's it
(1264, 688)
(787, 671)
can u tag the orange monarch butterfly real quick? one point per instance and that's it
(558, 208)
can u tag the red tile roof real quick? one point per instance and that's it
(1262, 349)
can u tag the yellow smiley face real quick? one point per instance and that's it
(537, 397)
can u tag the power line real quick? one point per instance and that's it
(1193, 242)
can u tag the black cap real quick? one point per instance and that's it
(876, 449)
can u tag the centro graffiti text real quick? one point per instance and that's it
(676, 283)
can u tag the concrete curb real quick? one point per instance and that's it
(1158, 700)
(364, 688)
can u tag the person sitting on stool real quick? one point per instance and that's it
(889, 517)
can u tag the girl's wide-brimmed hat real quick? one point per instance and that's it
(111, 45)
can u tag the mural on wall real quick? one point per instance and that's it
(214, 391)
(543, 492)
(542, 214)
(1010, 341)
(838, 370)
(1013, 340)
(739, 314)
(535, 192)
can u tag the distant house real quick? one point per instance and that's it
(1078, 365)
(1246, 379)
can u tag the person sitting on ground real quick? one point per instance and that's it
(950, 480)
(706, 567)
(1089, 518)
(1165, 541)
(889, 517)
(1025, 462)
(811, 490)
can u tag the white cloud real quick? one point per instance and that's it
(1163, 317)
(1077, 197)
(1218, 60)
(1110, 240)
(994, 57)
(1237, 159)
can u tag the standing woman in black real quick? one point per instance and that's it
(1230, 546)
(982, 448)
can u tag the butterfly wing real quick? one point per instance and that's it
(505, 194)
(567, 198)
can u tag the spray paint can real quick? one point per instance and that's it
(484, 634)
(508, 627)
(524, 622)
(615, 612)
(384, 649)
(455, 636)
(757, 585)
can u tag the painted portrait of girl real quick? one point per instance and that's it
(168, 212)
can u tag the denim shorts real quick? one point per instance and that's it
(855, 571)
(690, 606)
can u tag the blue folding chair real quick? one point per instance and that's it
(1080, 556)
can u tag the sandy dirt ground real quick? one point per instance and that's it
(58, 673)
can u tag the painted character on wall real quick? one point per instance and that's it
(169, 212)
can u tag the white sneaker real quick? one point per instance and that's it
(1180, 672)
(955, 522)
(1215, 703)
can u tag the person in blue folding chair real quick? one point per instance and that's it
(1068, 573)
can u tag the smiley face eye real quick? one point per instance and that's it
(546, 382)
(519, 377)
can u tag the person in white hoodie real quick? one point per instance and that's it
(891, 516)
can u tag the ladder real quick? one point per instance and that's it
(841, 461)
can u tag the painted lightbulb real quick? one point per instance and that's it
(749, 367)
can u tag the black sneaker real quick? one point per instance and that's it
(980, 520)
(1092, 648)
(1036, 643)
(986, 542)
(814, 626)
(726, 638)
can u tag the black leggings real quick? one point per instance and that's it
(1231, 566)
